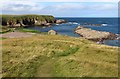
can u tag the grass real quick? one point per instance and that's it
(2, 38)
(28, 30)
(71, 50)
(5, 29)
(57, 56)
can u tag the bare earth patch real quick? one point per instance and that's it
(16, 35)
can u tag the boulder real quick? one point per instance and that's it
(60, 21)
(52, 32)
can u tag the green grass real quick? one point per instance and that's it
(2, 38)
(28, 30)
(71, 50)
(5, 29)
(57, 56)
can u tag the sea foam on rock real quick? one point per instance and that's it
(60, 21)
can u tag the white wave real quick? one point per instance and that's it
(57, 24)
(104, 24)
(75, 23)
(70, 23)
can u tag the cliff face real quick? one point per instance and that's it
(23, 20)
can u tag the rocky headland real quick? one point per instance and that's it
(29, 20)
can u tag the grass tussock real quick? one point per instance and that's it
(58, 56)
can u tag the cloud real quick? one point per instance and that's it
(32, 5)
(58, 8)
(61, 0)
(70, 6)
(21, 6)
(80, 7)
(105, 7)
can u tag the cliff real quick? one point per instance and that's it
(25, 20)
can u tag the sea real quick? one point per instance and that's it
(108, 25)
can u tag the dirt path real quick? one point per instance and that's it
(16, 35)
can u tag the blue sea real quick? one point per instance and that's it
(72, 23)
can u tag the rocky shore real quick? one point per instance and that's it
(94, 35)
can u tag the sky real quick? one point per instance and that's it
(63, 8)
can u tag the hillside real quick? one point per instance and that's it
(58, 56)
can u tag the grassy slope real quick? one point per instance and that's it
(48, 55)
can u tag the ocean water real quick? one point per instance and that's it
(111, 25)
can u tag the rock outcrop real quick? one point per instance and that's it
(94, 35)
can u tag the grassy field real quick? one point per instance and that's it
(57, 56)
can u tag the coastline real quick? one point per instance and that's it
(61, 21)
(29, 33)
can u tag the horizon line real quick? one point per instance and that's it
(69, 16)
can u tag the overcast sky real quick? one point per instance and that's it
(73, 8)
